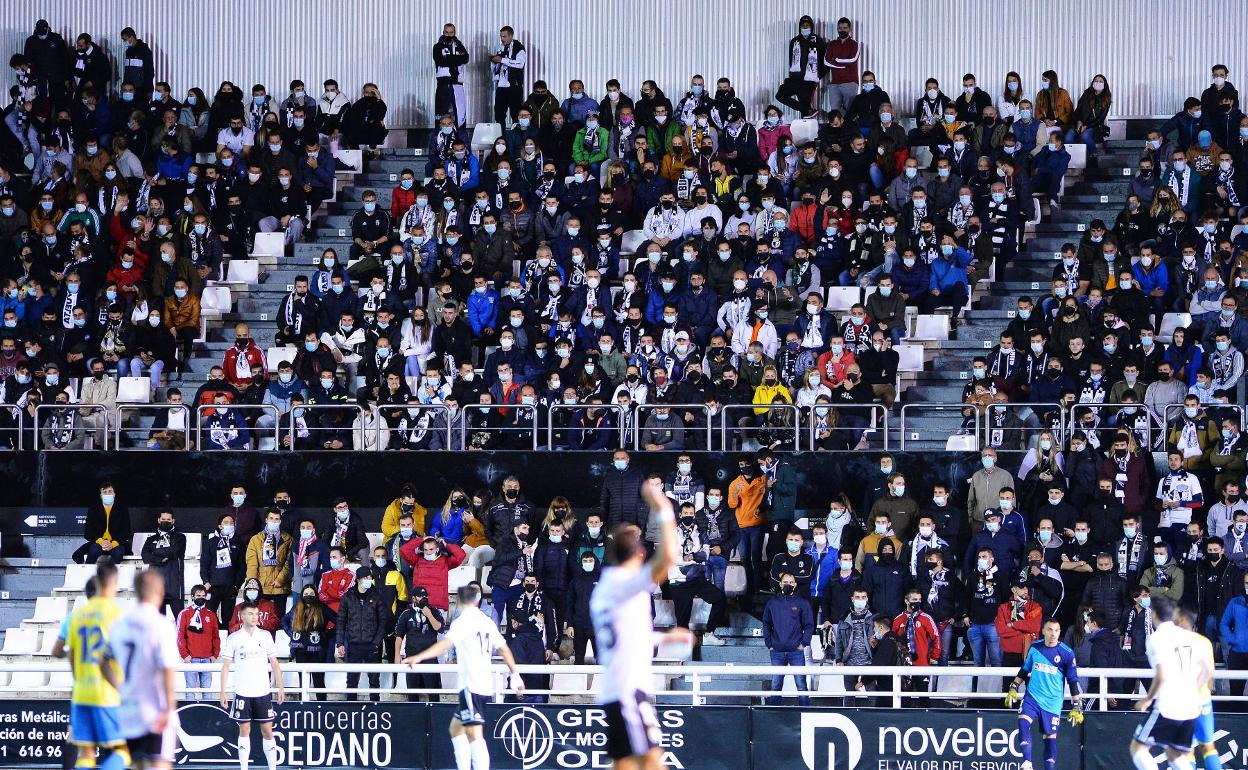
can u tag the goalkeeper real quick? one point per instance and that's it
(1047, 669)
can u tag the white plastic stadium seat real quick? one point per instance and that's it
(961, 444)
(77, 576)
(931, 327)
(664, 613)
(842, 297)
(136, 545)
(630, 241)
(246, 271)
(909, 358)
(483, 136)
(275, 356)
(194, 545)
(269, 244)
(1170, 322)
(216, 300)
(1078, 155)
(375, 539)
(29, 680)
(134, 390)
(804, 130)
(50, 609)
(460, 577)
(734, 580)
(21, 641)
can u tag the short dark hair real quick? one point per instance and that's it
(626, 542)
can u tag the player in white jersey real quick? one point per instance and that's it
(144, 645)
(1205, 731)
(1179, 673)
(624, 638)
(250, 649)
(475, 638)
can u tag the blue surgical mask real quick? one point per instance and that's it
(406, 184)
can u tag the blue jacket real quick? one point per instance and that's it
(1051, 162)
(174, 166)
(453, 530)
(656, 301)
(1186, 128)
(322, 175)
(912, 281)
(699, 309)
(12, 303)
(948, 273)
(1234, 624)
(1006, 551)
(788, 623)
(483, 310)
(469, 167)
(1157, 278)
(826, 566)
(578, 110)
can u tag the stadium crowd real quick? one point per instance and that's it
(496, 280)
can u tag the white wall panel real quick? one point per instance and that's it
(1153, 52)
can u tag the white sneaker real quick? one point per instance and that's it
(1025, 765)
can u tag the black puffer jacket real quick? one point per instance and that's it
(362, 620)
(580, 588)
(1106, 592)
(621, 499)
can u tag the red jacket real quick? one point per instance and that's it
(204, 642)
(135, 275)
(926, 637)
(802, 221)
(255, 357)
(270, 618)
(400, 201)
(1017, 639)
(334, 585)
(432, 574)
(841, 57)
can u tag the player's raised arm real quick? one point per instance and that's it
(665, 550)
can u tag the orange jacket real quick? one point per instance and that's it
(182, 313)
(745, 498)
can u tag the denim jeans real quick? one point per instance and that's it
(199, 679)
(985, 644)
(1086, 137)
(718, 567)
(751, 550)
(795, 658)
(503, 598)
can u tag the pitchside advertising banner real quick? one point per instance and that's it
(412, 736)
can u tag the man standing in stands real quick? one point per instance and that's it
(164, 553)
(449, 57)
(507, 69)
(840, 57)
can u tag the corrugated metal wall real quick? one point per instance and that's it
(1153, 52)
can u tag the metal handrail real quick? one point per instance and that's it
(357, 413)
(19, 416)
(1155, 422)
(874, 409)
(1165, 424)
(553, 408)
(940, 407)
(1035, 407)
(424, 408)
(691, 684)
(723, 420)
(532, 410)
(49, 409)
(639, 421)
(139, 408)
(204, 410)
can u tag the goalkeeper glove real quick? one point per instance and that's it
(1012, 697)
(1075, 717)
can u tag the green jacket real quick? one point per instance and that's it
(581, 155)
(783, 494)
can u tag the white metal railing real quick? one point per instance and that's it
(1177, 411)
(998, 437)
(207, 411)
(526, 419)
(746, 428)
(317, 418)
(572, 409)
(676, 413)
(424, 412)
(688, 684)
(877, 420)
(47, 413)
(920, 406)
(138, 410)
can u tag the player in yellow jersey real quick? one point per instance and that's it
(94, 702)
(1205, 750)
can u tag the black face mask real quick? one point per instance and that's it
(511, 494)
(199, 601)
(165, 526)
(530, 589)
(309, 599)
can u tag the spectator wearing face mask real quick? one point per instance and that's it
(308, 625)
(885, 579)
(431, 560)
(199, 641)
(164, 552)
(310, 557)
(921, 637)
(361, 628)
(788, 625)
(345, 530)
(417, 629)
(270, 616)
(268, 559)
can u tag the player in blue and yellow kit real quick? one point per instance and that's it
(1047, 669)
(94, 702)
